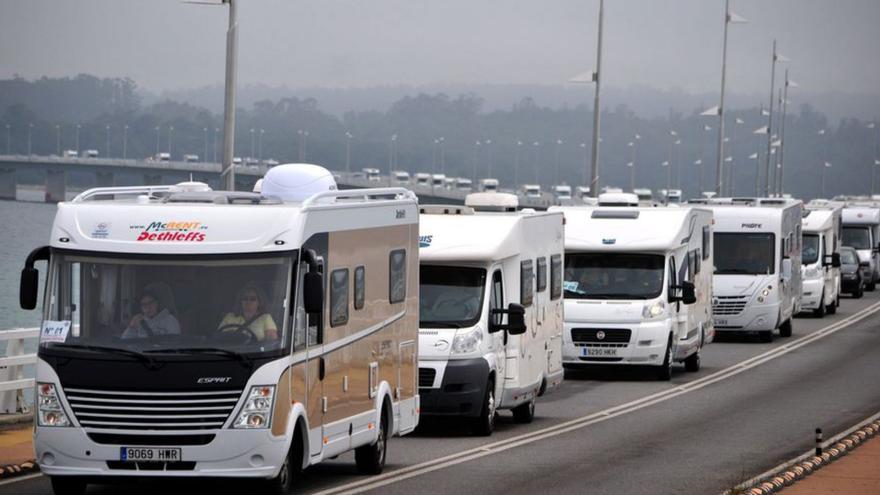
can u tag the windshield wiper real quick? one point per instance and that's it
(148, 361)
(217, 351)
(728, 271)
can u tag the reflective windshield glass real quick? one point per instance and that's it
(450, 296)
(811, 249)
(170, 305)
(848, 257)
(744, 253)
(857, 237)
(613, 276)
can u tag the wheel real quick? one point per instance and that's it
(692, 363)
(859, 293)
(870, 286)
(832, 308)
(524, 413)
(370, 459)
(767, 336)
(67, 485)
(664, 371)
(485, 424)
(785, 329)
(283, 482)
(818, 312)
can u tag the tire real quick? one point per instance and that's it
(485, 424)
(664, 371)
(370, 459)
(832, 308)
(525, 413)
(818, 312)
(692, 363)
(859, 293)
(68, 485)
(870, 286)
(785, 329)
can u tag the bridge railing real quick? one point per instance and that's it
(12, 380)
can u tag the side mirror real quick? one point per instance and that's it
(516, 321)
(864, 264)
(30, 278)
(313, 293)
(835, 260)
(786, 268)
(27, 291)
(688, 293)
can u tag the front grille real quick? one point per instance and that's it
(125, 410)
(152, 440)
(728, 305)
(426, 377)
(611, 335)
(152, 465)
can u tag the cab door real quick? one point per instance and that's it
(497, 340)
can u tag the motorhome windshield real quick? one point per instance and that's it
(184, 305)
(810, 254)
(450, 296)
(857, 237)
(613, 276)
(744, 253)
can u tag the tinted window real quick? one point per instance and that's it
(526, 283)
(450, 296)
(397, 276)
(857, 237)
(359, 287)
(497, 300)
(744, 253)
(339, 297)
(811, 249)
(613, 276)
(555, 276)
(848, 257)
(542, 274)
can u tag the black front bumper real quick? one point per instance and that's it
(850, 286)
(462, 391)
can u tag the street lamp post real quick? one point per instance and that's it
(777, 57)
(442, 155)
(556, 161)
(77, 139)
(107, 150)
(125, 141)
(594, 161)
(516, 165)
(8, 139)
(729, 17)
(253, 144)
(157, 142)
(392, 144)
(632, 165)
(205, 156)
(229, 96)
(170, 139)
(260, 146)
(476, 159)
(873, 126)
(489, 157)
(706, 128)
(668, 178)
(731, 187)
(30, 140)
(788, 83)
(825, 166)
(348, 137)
(58, 139)
(757, 157)
(216, 132)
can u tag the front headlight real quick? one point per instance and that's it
(465, 343)
(257, 410)
(764, 293)
(653, 310)
(49, 410)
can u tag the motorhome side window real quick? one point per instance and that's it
(542, 274)
(672, 282)
(526, 282)
(556, 276)
(707, 239)
(359, 287)
(497, 299)
(397, 276)
(339, 297)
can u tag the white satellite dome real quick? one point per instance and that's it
(296, 182)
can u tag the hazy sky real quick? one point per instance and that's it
(166, 44)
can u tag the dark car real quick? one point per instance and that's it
(851, 280)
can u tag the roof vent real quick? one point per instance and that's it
(618, 199)
(618, 214)
(492, 201)
(296, 182)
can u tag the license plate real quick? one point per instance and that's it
(163, 454)
(721, 322)
(599, 351)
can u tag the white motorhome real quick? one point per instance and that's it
(189, 332)
(90, 153)
(401, 178)
(70, 154)
(423, 179)
(488, 185)
(189, 158)
(562, 193)
(531, 190)
(478, 263)
(372, 174)
(438, 181)
(582, 192)
(820, 258)
(165, 157)
(638, 286)
(463, 184)
(646, 197)
(757, 285)
(861, 230)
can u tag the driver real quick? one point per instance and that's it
(251, 314)
(151, 320)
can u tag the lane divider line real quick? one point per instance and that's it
(593, 418)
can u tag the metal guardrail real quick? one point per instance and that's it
(12, 380)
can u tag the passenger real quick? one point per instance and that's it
(251, 315)
(151, 320)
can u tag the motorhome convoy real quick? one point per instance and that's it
(820, 258)
(757, 284)
(284, 332)
(861, 230)
(638, 285)
(480, 262)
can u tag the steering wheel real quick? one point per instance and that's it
(239, 329)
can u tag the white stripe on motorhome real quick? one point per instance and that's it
(345, 341)
(597, 417)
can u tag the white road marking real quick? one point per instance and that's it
(591, 419)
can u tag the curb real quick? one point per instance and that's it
(803, 468)
(13, 470)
